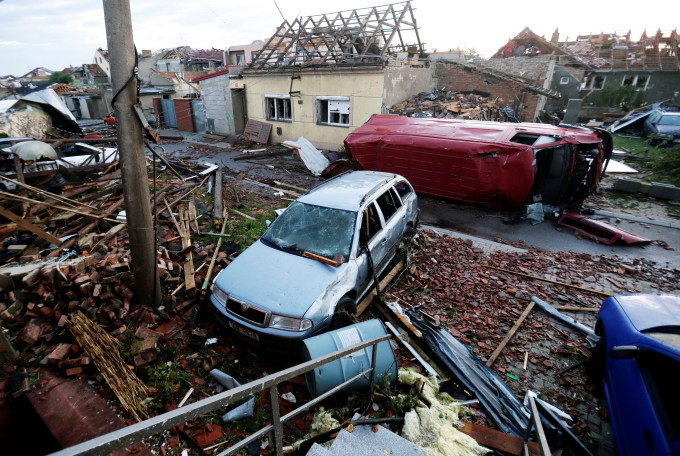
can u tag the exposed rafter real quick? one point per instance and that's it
(360, 36)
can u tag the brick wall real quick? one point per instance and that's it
(459, 78)
(185, 120)
(532, 68)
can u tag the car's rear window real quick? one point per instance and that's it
(321, 230)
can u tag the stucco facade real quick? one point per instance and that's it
(360, 91)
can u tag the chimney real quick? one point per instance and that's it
(555, 37)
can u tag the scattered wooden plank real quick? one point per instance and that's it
(498, 440)
(257, 131)
(511, 333)
(208, 275)
(528, 276)
(261, 155)
(299, 189)
(86, 229)
(28, 226)
(243, 215)
(19, 169)
(388, 278)
(61, 208)
(320, 259)
(185, 233)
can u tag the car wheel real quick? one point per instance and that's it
(598, 358)
(344, 311)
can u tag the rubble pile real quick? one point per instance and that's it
(443, 104)
(478, 298)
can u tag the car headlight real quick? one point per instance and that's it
(220, 295)
(290, 324)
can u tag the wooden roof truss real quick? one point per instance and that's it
(367, 35)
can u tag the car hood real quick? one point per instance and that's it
(274, 280)
(649, 311)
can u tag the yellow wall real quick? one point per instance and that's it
(364, 87)
(371, 91)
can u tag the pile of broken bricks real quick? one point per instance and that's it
(444, 104)
(483, 300)
(42, 285)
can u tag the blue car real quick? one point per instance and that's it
(639, 358)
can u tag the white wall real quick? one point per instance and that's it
(216, 96)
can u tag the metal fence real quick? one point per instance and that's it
(119, 439)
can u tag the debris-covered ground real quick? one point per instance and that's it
(477, 295)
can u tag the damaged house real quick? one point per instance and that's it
(323, 76)
(37, 115)
(627, 73)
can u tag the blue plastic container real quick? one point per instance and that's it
(326, 377)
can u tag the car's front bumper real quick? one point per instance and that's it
(266, 338)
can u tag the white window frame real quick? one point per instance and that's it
(591, 82)
(279, 104)
(323, 111)
(635, 81)
(564, 80)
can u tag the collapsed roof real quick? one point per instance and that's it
(360, 36)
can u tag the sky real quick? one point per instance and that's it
(58, 33)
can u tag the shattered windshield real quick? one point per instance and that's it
(319, 230)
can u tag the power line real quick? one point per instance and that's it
(277, 7)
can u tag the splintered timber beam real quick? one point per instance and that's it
(103, 349)
(28, 226)
(509, 335)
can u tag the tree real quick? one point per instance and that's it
(61, 78)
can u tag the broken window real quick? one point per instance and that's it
(388, 203)
(636, 80)
(403, 189)
(278, 107)
(333, 111)
(371, 223)
(532, 139)
(240, 59)
(593, 82)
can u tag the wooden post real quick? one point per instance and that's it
(118, 21)
(218, 207)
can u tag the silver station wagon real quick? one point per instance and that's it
(314, 263)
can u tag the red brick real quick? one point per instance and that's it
(74, 371)
(59, 353)
(32, 332)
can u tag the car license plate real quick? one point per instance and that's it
(244, 331)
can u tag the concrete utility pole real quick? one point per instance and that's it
(131, 149)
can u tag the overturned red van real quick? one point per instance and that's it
(501, 165)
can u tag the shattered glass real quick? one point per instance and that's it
(307, 228)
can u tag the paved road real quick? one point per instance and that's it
(488, 224)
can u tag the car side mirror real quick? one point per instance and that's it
(625, 351)
(267, 223)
